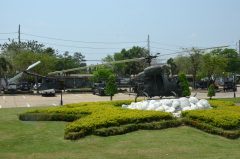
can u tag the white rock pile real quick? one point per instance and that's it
(174, 106)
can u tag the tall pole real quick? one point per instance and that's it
(239, 48)
(19, 34)
(148, 44)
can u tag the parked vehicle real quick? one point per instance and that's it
(99, 88)
(47, 92)
(229, 85)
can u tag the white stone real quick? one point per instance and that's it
(174, 106)
(193, 100)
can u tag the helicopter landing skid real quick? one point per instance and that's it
(144, 94)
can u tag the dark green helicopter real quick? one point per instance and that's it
(154, 81)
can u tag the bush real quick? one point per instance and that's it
(211, 129)
(133, 127)
(225, 115)
(91, 116)
(184, 85)
(111, 87)
(211, 91)
(222, 118)
(220, 104)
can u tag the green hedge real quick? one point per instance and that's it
(226, 119)
(88, 117)
(108, 118)
(220, 104)
(211, 129)
(123, 129)
(111, 116)
(224, 115)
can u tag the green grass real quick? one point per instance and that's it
(235, 100)
(28, 140)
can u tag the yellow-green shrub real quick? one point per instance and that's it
(226, 119)
(94, 115)
(220, 103)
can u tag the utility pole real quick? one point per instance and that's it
(148, 44)
(239, 48)
(19, 34)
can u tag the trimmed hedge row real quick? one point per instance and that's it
(211, 129)
(220, 104)
(123, 129)
(225, 115)
(111, 116)
(88, 117)
(108, 118)
(226, 119)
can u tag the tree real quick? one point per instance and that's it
(128, 68)
(211, 91)
(111, 87)
(172, 65)
(15, 46)
(213, 65)
(4, 66)
(195, 57)
(184, 85)
(183, 64)
(79, 59)
(232, 58)
(102, 74)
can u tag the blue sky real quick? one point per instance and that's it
(171, 24)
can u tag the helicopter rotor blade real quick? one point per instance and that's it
(90, 66)
(33, 65)
(19, 75)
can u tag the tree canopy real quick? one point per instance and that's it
(128, 68)
(23, 54)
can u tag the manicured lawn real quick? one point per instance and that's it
(235, 100)
(27, 140)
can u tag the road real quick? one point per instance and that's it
(24, 100)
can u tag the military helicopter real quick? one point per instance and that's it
(153, 81)
(12, 83)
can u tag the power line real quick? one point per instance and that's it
(163, 48)
(74, 46)
(186, 51)
(156, 42)
(80, 41)
(9, 33)
(4, 39)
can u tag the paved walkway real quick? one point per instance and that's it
(8, 101)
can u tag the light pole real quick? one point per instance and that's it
(61, 102)
(234, 86)
(61, 88)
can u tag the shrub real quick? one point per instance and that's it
(91, 116)
(211, 91)
(184, 85)
(123, 129)
(211, 129)
(226, 119)
(220, 104)
(111, 87)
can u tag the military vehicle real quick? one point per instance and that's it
(154, 81)
(13, 84)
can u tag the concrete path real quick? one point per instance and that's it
(8, 101)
